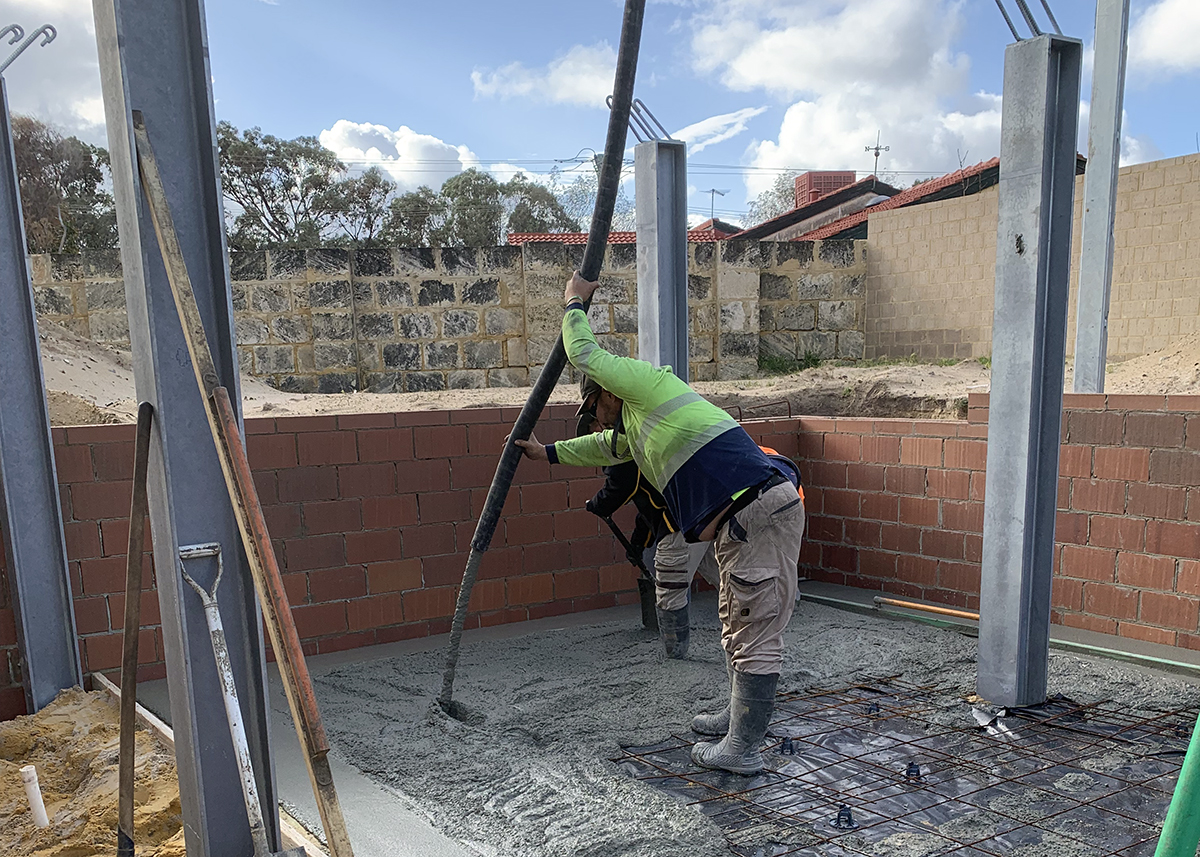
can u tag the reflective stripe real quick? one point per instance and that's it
(660, 413)
(689, 448)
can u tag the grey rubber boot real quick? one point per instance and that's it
(674, 630)
(716, 724)
(750, 707)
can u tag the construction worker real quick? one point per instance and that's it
(675, 562)
(720, 487)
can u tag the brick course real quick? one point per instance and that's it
(366, 559)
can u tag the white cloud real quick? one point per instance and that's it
(581, 76)
(409, 158)
(1166, 38)
(58, 83)
(716, 129)
(852, 68)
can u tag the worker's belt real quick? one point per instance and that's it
(750, 495)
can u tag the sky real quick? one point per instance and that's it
(754, 86)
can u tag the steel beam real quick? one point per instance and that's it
(1100, 195)
(1033, 261)
(34, 547)
(154, 58)
(660, 183)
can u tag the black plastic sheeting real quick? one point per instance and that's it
(874, 769)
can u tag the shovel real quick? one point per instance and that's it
(237, 729)
(645, 582)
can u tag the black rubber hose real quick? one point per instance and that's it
(593, 260)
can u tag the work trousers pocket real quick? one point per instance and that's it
(753, 596)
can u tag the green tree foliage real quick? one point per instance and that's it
(64, 198)
(358, 207)
(779, 199)
(280, 189)
(535, 208)
(417, 219)
(472, 209)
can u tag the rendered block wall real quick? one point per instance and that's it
(930, 288)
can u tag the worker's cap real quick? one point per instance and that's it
(587, 388)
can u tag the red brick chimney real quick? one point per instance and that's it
(815, 184)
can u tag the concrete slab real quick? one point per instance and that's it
(382, 822)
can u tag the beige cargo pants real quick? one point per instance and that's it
(675, 564)
(757, 551)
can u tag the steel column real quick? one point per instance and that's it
(34, 547)
(1033, 260)
(1100, 195)
(660, 183)
(154, 58)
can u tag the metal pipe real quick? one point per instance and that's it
(1182, 825)
(928, 608)
(593, 260)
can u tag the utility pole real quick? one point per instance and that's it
(713, 193)
(877, 149)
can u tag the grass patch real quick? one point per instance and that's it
(985, 361)
(779, 364)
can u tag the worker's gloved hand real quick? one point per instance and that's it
(590, 505)
(578, 287)
(634, 555)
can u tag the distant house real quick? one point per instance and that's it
(964, 182)
(821, 197)
(958, 183)
(709, 230)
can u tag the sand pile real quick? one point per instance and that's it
(74, 742)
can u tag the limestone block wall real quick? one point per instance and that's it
(930, 288)
(813, 296)
(334, 320)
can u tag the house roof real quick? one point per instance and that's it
(696, 235)
(822, 204)
(958, 183)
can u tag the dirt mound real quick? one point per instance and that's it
(74, 742)
(67, 409)
(1175, 369)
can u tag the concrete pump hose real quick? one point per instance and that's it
(593, 260)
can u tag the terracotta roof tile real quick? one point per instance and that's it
(908, 197)
(696, 235)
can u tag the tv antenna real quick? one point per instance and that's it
(713, 193)
(877, 149)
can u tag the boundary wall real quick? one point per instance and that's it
(894, 505)
(931, 269)
(333, 320)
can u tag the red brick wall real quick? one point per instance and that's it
(897, 505)
(366, 557)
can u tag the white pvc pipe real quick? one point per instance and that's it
(34, 792)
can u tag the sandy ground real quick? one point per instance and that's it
(530, 775)
(74, 742)
(90, 383)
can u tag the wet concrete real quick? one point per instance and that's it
(531, 775)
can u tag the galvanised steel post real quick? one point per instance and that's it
(1033, 261)
(154, 58)
(1100, 195)
(35, 549)
(660, 183)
